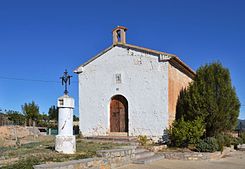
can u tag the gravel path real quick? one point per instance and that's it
(234, 161)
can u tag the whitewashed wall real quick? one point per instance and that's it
(144, 85)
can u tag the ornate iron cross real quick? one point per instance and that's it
(66, 80)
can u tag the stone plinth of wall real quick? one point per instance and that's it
(158, 148)
(184, 156)
(241, 147)
(91, 163)
(196, 155)
(106, 159)
(118, 157)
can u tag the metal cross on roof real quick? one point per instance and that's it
(66, 80)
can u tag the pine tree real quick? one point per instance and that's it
(212, 97)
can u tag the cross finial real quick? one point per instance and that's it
(65, 79)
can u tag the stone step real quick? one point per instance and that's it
(115, 139)
(120, 134)
(144, 154)
(140, 150)
(147, 160)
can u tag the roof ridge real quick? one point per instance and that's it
(145, 49)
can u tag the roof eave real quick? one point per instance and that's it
(79, 69)
(151, 51)
(190, 72)
(163, 56)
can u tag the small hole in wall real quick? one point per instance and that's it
(117, 89)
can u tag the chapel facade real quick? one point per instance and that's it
(130, 90)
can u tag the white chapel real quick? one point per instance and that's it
(129, 90)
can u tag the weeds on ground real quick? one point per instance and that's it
(42, 152)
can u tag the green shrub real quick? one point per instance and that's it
(221, 141)
(243, 137)
(239, 140)
(228, 140)
(142, 140)
(209, 144)
(184, 133)
(236, 141)
(224, 140)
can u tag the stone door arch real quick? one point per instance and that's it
(118, 114)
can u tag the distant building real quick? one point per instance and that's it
(130, 90)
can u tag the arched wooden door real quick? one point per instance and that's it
(119, 114)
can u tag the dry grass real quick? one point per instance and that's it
(42, 151)
(2, 141)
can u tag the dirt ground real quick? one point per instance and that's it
(234, 161)
(12, 131)
(9, 134)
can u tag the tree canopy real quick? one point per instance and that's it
(16, 117)
(31, 111)
(53, 113)
(212, 97)
(75, 118)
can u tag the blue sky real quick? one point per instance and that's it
(40, 39)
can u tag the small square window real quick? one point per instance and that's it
(118, 78)
(61, 102)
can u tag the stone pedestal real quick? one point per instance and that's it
(65, 142)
